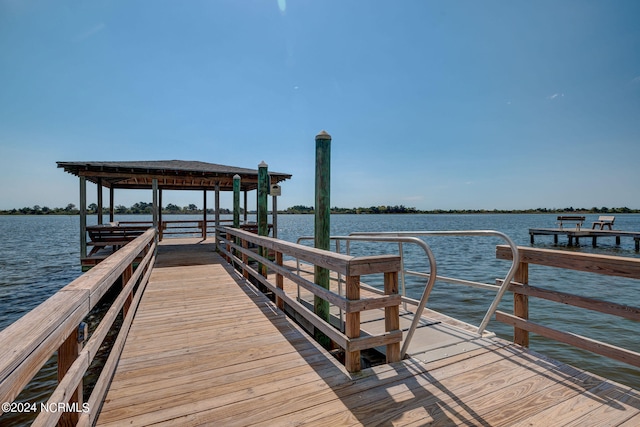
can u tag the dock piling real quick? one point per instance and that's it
(236, 201)
(263, 191)
(322, 222)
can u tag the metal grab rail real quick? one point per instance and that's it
(410, 237)
(508, 278)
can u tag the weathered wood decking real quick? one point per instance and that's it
(205, 348)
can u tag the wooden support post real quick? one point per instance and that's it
(637, 241)
(246, 212)
(521, 305)
(392, 315)
(263, 191)
(111, 203)
(236, 204)
(555, 239)
(279, 281)
(617, 240)
(204, 215)
(154, 189)
(67, 354)
(126, 276)
(162, 226)
(594, 242)
(83, 217)
(322, 221)
(99, 197)
(352, 324)
(531, 238)
(217, 207)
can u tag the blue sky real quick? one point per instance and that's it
(431, 104)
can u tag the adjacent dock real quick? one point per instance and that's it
(206, 348)
(575, 234)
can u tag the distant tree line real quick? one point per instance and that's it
(136, 208)
(300, 209)
(146, 208)
(42, 210)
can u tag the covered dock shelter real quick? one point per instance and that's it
(162, 175)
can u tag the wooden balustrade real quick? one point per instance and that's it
(28, 343)
(593, 263)
(352, 341)
(179, 227)
(189, 227)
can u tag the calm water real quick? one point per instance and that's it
(40, 254)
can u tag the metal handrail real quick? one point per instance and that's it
(507, 280)
(400, 240)
(410, 237)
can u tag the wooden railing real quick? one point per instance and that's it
(593, 263)
(234, 244)
(28, 343)
(193, 227)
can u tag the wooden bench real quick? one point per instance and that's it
(578, 220)
(112, 235)
(604, 221)
(253, 228)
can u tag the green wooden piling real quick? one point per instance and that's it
(263, 191)
(322, 223)
(236, 201)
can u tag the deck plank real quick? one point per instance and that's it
(206, 348)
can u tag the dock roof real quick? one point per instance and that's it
(171, 174)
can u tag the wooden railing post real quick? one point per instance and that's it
(67, 354)
(245, 259)
(392, 315)
(126, 275)
(521, 305)
(279, 281)
(352, 324)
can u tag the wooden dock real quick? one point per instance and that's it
(206, 348)
(575, 234)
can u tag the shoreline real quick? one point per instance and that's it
(354, 211)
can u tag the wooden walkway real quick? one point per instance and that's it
(205, 348)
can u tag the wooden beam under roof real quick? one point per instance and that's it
(139, 175)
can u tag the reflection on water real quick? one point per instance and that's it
(40, 254)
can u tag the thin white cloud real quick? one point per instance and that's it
(636, 80)
(556, 95)
(90, 33)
